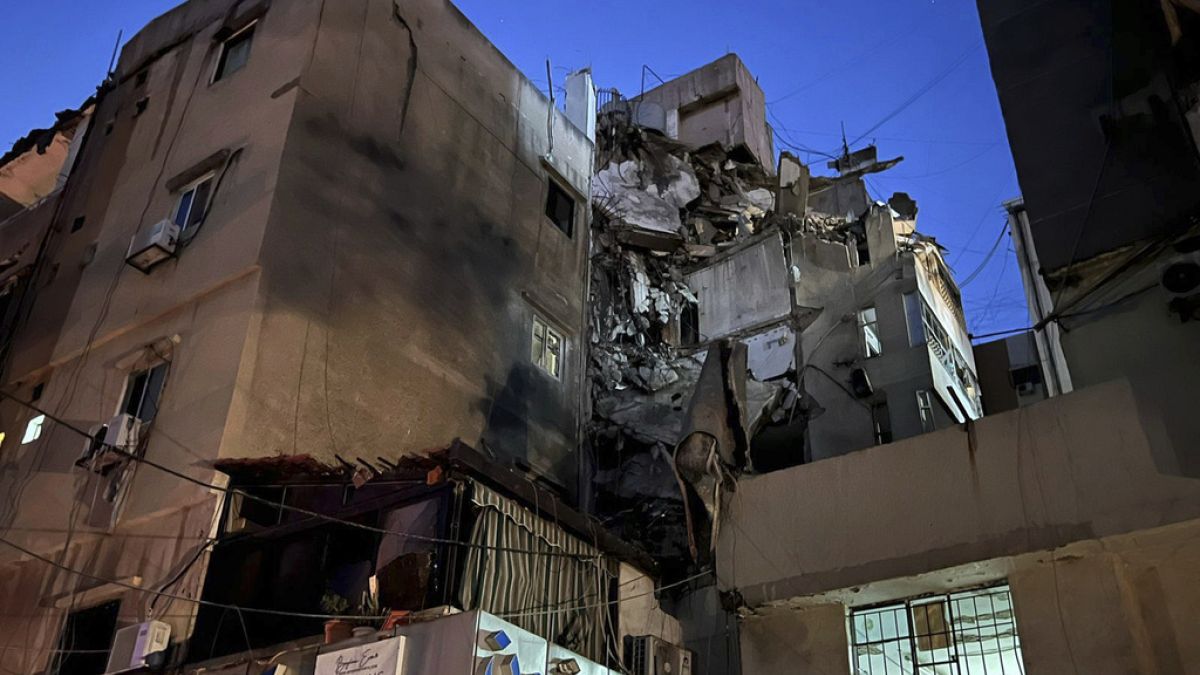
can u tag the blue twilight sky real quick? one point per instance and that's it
(822, 64)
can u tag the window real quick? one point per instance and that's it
(38, 390)
(77, 224)
(143, 391)
(560, 208)
(193, 202)
(961, 633)
(86, 640)
(881, 420)
(235, 52)
(925, 408)
(547, 347)
(868, 324)
(913, 315)
(33, 430)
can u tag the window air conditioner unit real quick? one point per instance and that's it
(133, 646)
(153, 246)
(649, 655)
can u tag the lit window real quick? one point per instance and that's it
(235, 52)
(560, 208)
(2, 437)
(868, 324)
(192, 203)
(965, 632)
(143, 391)
(925, 407)
(33, 430)
(547, 347)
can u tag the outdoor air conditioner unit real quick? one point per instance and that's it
(153, 246)
(133, 646)
(649, 655)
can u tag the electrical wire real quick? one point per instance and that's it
(289, 507)
(921, 91)
(309, 615)
(986, 259)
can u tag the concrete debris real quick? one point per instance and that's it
(668, 219)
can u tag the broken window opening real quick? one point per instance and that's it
(881, 421)
(33, 430)
(864, 250)
(235, 53)
(925, 408)
(142, 392)
(292, 562)
(963, 632)
(560, 208)
(868, 324)
(192, 203)
(86, 639)
(547, 348)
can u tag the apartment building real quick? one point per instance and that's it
(1058, 536)
(325, 237)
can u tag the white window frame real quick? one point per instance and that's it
(868, 331)
(191, 188)
(129, 377)
(223, 52)
(548, 347)
(925, 410)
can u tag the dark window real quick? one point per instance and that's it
(77, 224)
(1027, 376)
(37, 391)
(143, 391)
(235, 52)
(140, 106)
(86, 639)
(881, 419)
(560, 208)
(141, 77)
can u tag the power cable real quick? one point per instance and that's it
(307, 615)
(921, 91)
(289, 507)
(986, 259)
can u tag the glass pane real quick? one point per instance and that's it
(871, 340)
(199, 202)
(184, 207)
(235, 54)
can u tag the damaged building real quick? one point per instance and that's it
(838, 326)
(265, 291)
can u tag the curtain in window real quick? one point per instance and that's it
(560, 598)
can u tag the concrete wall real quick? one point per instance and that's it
(408, 251)
(744, 290)
(718, 103)
(1139, 339)
(1120, 604)
(829, 294)
(364, 283)
(1066, 469)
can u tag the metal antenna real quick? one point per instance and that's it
(112, 61)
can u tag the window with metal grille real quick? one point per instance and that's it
(963, 633)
